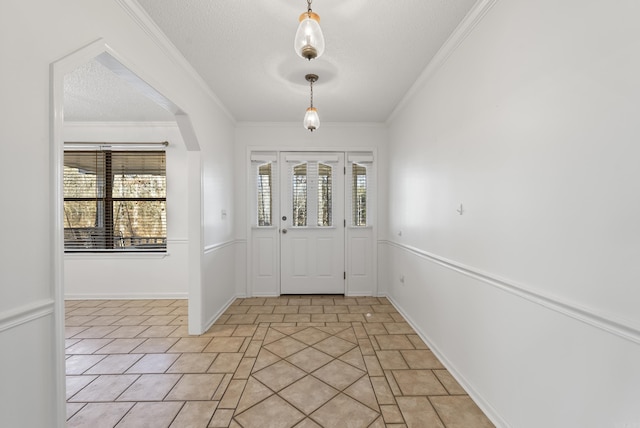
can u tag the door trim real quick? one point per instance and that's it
(313, 261)
(248, 283)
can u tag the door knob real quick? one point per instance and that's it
(284, 230)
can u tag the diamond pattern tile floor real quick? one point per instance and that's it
(282, 362)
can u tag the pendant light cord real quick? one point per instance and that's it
(309, 7)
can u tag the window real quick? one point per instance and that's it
(299, 191)
(324, 195)
(359, 195)
(264, 195)
(115, 201)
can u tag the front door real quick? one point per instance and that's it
(312, 223)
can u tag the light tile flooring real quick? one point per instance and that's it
(291, 361)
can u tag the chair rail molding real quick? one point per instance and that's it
(26, 313)
(214, 247)
(604, 322)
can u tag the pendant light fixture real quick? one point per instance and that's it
(311, 118)
(309, 42)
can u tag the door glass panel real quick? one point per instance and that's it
(359, 195)
(264, 195)
(299, 192)
(324, 195)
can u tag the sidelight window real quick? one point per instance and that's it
(359, 195)
(265, 194)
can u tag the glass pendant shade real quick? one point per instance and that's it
(311, 119)
(309, 42)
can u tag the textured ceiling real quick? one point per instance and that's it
(243, 49)
(92, 92)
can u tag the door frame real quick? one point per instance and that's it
(337, 231)
(255, 290)
(60, 67)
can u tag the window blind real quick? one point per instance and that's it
(358, 195)
(299, 194)
(265, 194)
(325, 193)
(115, 200)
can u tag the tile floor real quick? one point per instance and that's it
(291, 361)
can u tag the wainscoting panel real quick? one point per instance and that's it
(517, 354)
(218, 281)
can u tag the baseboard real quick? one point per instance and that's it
(217, 315)
(127, 296)
(484, 405)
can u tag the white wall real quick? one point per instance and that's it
(531, 295)
(292, 136)
(31, 39)
(218, 258)
(131, 276)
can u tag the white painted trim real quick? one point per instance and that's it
(58, 69)
(604, 322)
(102, 146)
(318, 157)
(487, 408)
(360, 157)
(134, 255)
(241, 250)
(217, 315)
(361, 228)
(133, 125)
(316, 149)
(278, 150)
(381, 125)
(254, 227)
(26, 313)
(215, 247)
(263, 157)
(181, 241)
(146, 24)
(128, 296)
(462, 31)
(195, 229)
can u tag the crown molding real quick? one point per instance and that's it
(144, 21)
(462, 31)
(298, 124)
